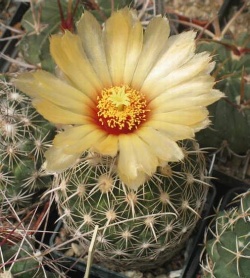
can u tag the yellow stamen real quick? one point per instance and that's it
(121, 109)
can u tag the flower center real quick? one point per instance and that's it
(121, 109)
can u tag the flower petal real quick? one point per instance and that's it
(185, 101)
(197, 65)
(109, 146)
(173, 131)
(163, 147)
(163, 91)
(115, 38)
(136, 162)
(90, 34)
(155, 38)
(189, 116)
(58, 161)
(134, 183)
(69, 55)
(58, 115)
(134, 47)
(73, 134)
(194, 68)
(179, 50)
(46, 86)
(78, 139)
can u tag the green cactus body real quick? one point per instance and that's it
(24, 136)
(228, 252)
(230, 116)
(138, 229)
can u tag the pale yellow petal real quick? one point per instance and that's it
(189, 116)
(115, 37)
(133, 163)
(147, 161)
(155, 38)
(134, 183)
(109, 146)
(194, 68)
(85, 143)
(58, 161)
(163, 147)
(134, 47)
(90, 34)
(58, 115)
(203, 124)
(46, 86)
(127, 163)
(73, 135)
(185, 101)
(75, 140)
(197, 65)
(162, 91)
(173, 131)
(179, 50)
(68, 53)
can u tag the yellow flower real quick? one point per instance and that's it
(123, 92)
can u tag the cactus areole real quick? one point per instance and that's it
(126, 100)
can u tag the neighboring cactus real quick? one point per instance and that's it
(137, 229)
(24, 136)
(230, 116)
(228, 252)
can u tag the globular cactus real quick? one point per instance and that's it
(137, 229)
(231, 115)
(24, 137)
(228, 251)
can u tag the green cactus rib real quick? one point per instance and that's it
(137, 229)
(24, 137)
(228, 252)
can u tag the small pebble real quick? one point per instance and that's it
(175, 274)
(133, 274)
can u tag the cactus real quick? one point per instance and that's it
(24, 136)
(228, 251)
(137, 229)
(230, 116)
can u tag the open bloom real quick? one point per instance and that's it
(123, 92)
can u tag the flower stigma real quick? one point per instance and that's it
(121, 109)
